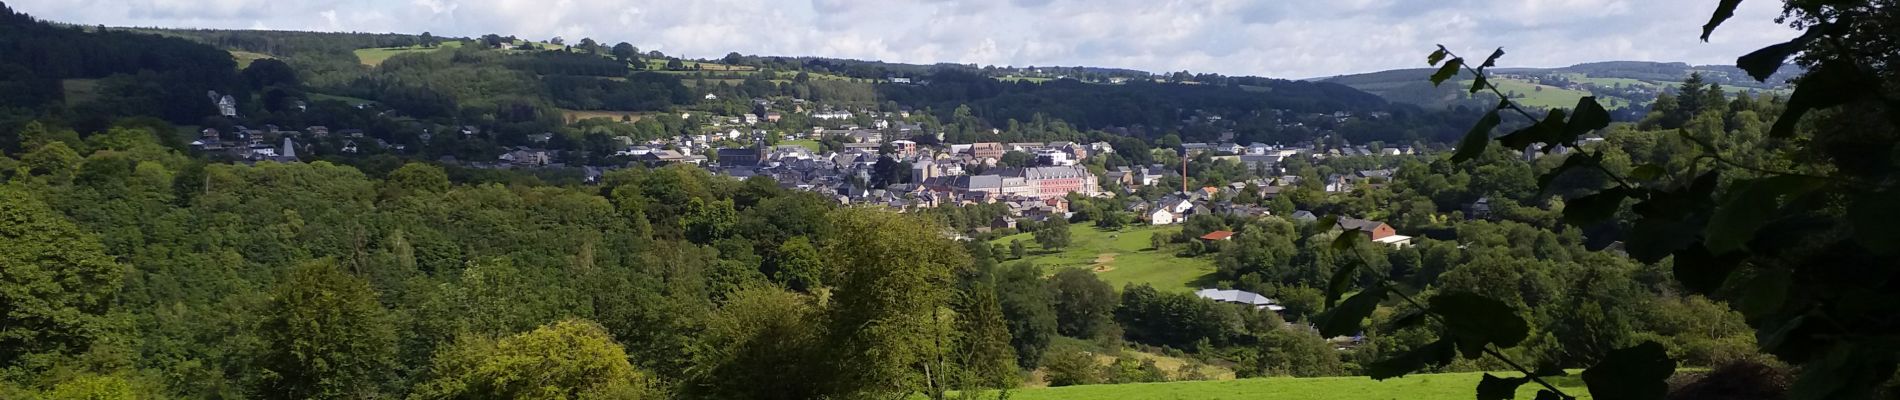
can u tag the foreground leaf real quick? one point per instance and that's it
(1748, 206)
(1479, 136)
(1589, 116)
(1445, 72)
(1493, 59)
(1345, 319)
(1823, 87)
(1703, 272)
(1592, 208)
(1476, 321)
(1495, 388)
(1723, 12)
(1436, 353)
(1635, 373)
(1763, 63)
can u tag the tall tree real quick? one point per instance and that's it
(328, 336)
(625, 52)
(56, 282)
(893, 275)
(1083, 302)
(570, 359)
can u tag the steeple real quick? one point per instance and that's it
(290, 150)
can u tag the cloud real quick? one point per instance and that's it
(1285, 38)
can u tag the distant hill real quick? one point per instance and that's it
(1617, 84)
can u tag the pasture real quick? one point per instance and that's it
(1120, 257)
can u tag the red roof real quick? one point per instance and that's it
(1218, 235)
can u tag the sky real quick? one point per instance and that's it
(1273, 38)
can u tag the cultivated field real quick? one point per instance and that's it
(1120, 257)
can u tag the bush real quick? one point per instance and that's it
(1071, 367)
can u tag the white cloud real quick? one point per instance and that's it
(1283, 38)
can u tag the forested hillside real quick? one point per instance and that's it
(124, 74)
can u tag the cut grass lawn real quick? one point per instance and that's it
(1120, 257)
(1460, 386)
(375, 57)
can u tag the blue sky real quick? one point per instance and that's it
(1276, 38)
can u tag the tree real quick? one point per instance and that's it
(268, 73)
(56, 282)
(1300, 353)
(1026, 308)
(328, 336)
(732, 58)
(415, 178)
(588, 45)
(892, 280)
(429, 40)
(799, 265)
(569, 359)
(675, 65)
(625, 52)
(1054, 235)
(985, 352)
(1017, 159)
(1084, 303)
(1016, 249)
(1072, 367)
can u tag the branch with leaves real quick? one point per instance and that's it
(1788, 249)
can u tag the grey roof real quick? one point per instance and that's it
(1240, 297)
(1359, 224)
(979, 182)
(1055, 172)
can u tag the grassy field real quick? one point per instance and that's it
(807, 143)
(79, 91)
(375, 57)
(244, 58)
(1459, 386)
(577, 115)
(1120, 257)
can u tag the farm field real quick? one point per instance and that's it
(375, 57)
(1120, 257)
(1458, 386)
(1548, 97)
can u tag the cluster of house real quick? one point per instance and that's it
(936, 176)
(268, 144)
